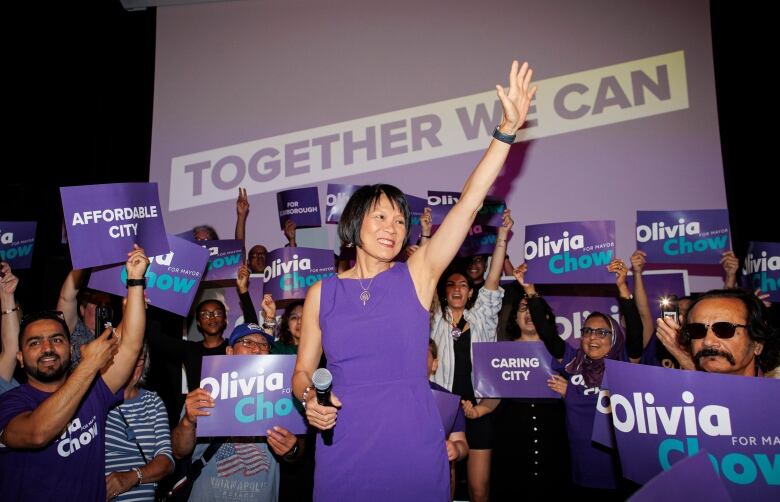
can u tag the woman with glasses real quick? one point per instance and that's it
(457, 324)
(530, 453)
(138, 440)
(594, 470)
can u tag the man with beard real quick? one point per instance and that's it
(725, 332)
(52, 429)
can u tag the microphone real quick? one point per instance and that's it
(323, 380)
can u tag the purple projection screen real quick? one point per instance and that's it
(624, 119)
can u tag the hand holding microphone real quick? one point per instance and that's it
(321, 404)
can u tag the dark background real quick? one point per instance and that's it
(80, 81)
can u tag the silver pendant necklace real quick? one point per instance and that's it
(365, 295)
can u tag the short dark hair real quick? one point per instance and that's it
(361, 203)
(211, 300)
(512, 328)
(42, 315)
(208, 229)
(757, 328)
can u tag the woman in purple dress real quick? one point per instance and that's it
(372, 323)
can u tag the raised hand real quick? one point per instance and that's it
(137, 263)
(242, 202)
(730, 264)
(8, 281)
(100, 352)
(618, 267)
(426, 222)
(289, 232)
(667, 333)
(638, 261)
(506, 224)
(269, 307)
(516, 99)
(242, 279)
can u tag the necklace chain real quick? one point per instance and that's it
(365, 295)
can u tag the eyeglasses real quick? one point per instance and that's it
(205, 314)
(597, 332)
(722, 329)
(251, 344)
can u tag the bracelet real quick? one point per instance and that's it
(303, 398)
(10, 311)
(139, 475)
(269, 323)
(135, 282)
(290, 455)
(504, 138)
(426, 236)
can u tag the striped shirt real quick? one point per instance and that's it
(482, 319)
(148, 421)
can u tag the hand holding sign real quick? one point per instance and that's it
(195, 404)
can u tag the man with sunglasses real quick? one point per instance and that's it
(219, 483)
(725, 332)
(52, 429)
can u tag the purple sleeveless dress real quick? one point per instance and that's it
(388, 442)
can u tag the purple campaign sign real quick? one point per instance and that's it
(172, 278)
(575, 252)
(301, 205)
(512, 369)
(571, 312)
(480, 240)
(16, 243)
(692, 237)
(603, 433)
(762, 268)
(338, 196)
(225, 258)
(448, 405)
(661, 284)
(104, 221)
(662, 415)
(692, 478)
(290, 271)
(490, 214)
(416, 207)
(251, 394)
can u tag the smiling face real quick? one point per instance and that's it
(476, 269)
(45, 352)
(294, 323)
(592, 344)
(383, 230)
(250, 345)
(736, 355)
(457, 291)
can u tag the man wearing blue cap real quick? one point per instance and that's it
(258, 475)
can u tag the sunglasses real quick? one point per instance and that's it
(722, 329)
(597, 332)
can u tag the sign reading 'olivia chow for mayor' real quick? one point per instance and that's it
(251, 394)
(762, 268)
(512, 369)
(490, 214)
(171, 280)
(104, 221)
(290, 271)
(225, 258)
(575, 252)
(662, 415)
(16, 243)
(695, 237)
(301, 205)
(336, 200)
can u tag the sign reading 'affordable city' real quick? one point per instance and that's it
(490, 214)
(290, 271)
(225, 258)
(16, 243)
(301, 205)
(575, 252)
(662, 415)
(172, 278)
(251, 393)
(512, 369)
(104, 221)
(762, 268)
(691, 237)
(338, 196)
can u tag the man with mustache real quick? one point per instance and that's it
(725, 332)
(52, 429)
